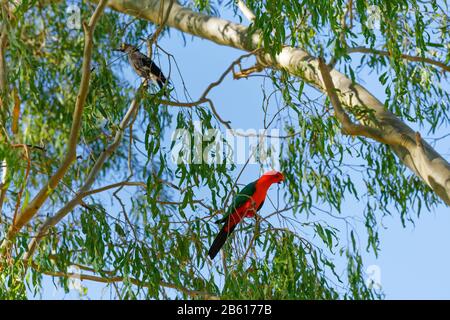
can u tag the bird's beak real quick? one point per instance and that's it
(282, 179)
(121, 48)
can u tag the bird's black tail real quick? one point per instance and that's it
(219, 241)
(160, 83)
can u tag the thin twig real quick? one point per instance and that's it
(112, 279)
(436, 63)
(203, 98)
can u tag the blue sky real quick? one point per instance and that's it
(414, 261)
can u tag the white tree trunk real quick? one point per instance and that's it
(415, 153)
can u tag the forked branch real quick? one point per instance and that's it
(353, 129)
(35, 204)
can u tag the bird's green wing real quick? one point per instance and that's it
(240, 198)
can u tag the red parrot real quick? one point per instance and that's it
(245, 204)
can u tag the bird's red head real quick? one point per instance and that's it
(274, 176)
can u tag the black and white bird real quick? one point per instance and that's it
(143, 65)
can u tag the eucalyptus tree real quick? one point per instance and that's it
(75, 135)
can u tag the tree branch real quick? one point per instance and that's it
(113, 186)
(112, 279)
(31, 209)
(350, 128)
(3, 43)
(246, 11)
(84, 190)
(436, 63)
(204, 97)
(3, 91)
(27, 172)
(162, 24)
